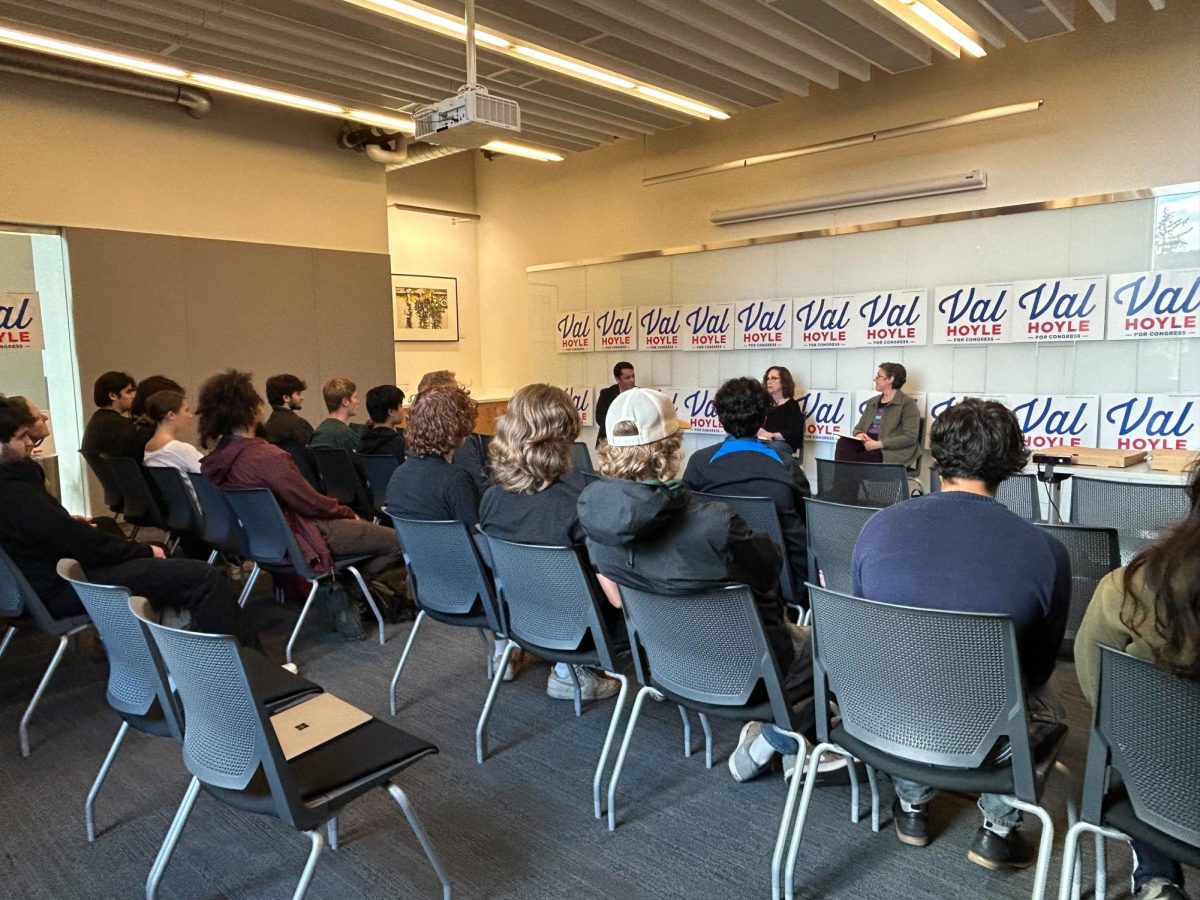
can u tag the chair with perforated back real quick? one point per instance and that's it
(140, 506)
(1140, 512)
(267, 539)
(104, 474)
(342, 479)
(182, 515)
(553, 607)
(449, 583)
(581, 458)
(17, 600)
(1142, 779)
(1020, 494)
(926, 694)
(303, 458)
(760, 514)
(861, 483)
(231, 748)
(833, 530)
(218, 525)
(379, 468)
(1094, 553)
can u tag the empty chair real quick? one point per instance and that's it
(182, 515)
(833, 530)
(231, 748)
(449, 581)
(140, 506)
(581, 458)
(218, 524)
(267, 539)
(1140, 512)
(925, 695)
(17, 597)
(1020, 494)
(1094, 553)
(104, 474)
(553, 608)
(342, 480)
(379, 468)
(861, 483)
(1142, 779)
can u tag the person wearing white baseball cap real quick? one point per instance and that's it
(645, 530)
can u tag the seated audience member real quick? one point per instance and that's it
(169, 412)
(36, 532)
(744, 466)
(534, 497)
(645, 530)
(334, 432)
(888, 427)
(382, 435)
(38, 432)
(428, 487)
(785, 420)
(960, 549)
(285, 394)
(110, 429)
(473, 454)
(230, 410)
(143, 425)
(1151, 610)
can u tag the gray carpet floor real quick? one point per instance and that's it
(520, 826)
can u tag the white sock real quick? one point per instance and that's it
(911, 807)
(563, 671)
(500, 645)
(761, 751)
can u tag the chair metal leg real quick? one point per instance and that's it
(8, 636)
(249, 585)
(89, 805)
(1072, 818)
(366, 592)
(785, 821)
(687, 733)
(608, 739)
(616, 775)
(577, 691)
(23, 728)
(810, 780)
(312, 595)
(318, 844)
(331, 833)
(1101, 888)
(404, 658)
(874, 782)
(415, 824)
(172, 838)
(708, 740)
(1071, 860)
(853, 773)
(1045, 845)
(486, 712)
(212, 557)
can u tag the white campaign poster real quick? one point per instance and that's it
(1059, 309)
(708, 326)
(827, 414)
(694, 406)
(616, 329)
(765, 324)
(21, 322)
(583, 398)
(1150, 421)
(822, 322)
(1154, 304)
(660, 327)
(937, 402)
(860, 404)
(1056, 420)
(972, 314)
(890, 319)
(575, 332)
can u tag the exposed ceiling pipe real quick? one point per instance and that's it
(408, 154)
(197, 101)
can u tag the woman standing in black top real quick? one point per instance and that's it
(785, 421)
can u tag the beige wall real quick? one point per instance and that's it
(248, 172)
(1120, 112)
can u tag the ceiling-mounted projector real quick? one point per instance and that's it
(469, 119)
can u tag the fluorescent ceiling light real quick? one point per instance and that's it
(229, 86)
(89, 54)
(521, 150)
(425, 17)
(395, 123)
(945, 27)
(949, 184)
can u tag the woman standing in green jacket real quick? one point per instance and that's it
(1151, 610)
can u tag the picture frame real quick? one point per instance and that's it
(424, 308)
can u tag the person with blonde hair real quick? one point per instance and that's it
(534, 496)
(342, 403)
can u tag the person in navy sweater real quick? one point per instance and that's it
(961, 550)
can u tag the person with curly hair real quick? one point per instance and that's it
(473, 454)
(1150, 609)
(960, 549)
(534, 497)
(229, 412)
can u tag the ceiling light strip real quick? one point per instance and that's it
(71, 50)
(945, 27)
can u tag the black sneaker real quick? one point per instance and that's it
(912, 828)
(992, 851)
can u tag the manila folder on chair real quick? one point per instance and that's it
(317, 720)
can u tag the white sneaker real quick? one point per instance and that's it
(591, 685)
(742, 766)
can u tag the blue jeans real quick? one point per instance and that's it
(798, 673)
(1149, 863)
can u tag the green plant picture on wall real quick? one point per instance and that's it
(424, 308)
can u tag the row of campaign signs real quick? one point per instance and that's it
(1119, 307)
(1120, 421)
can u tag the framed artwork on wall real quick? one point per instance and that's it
(424, 308)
